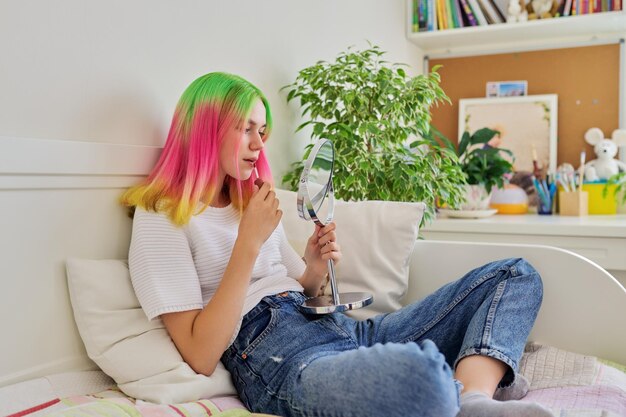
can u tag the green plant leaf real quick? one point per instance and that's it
(483, 135)
(465, 141)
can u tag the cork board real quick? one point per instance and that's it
(586, 80)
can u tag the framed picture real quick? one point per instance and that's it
(527, 126)
(507, 88)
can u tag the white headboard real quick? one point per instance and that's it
(58, 199)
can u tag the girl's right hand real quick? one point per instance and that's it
(260, 217)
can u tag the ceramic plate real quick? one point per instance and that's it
(468, 214)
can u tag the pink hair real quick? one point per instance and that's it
(185, 179)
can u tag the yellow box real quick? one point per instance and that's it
(597, 203)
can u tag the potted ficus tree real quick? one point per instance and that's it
(485, 165)
(378, 118)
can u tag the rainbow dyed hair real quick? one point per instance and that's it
(185, 179)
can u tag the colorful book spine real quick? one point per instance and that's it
(449, 14)
(459, 14)
(444, 11)
(468, 13)
(480, 17)
(440, 24)
(568, 8)
(452, 6)
(491, 13)
(432, 16)
(423, 15)
(501, 16)
(484, 12)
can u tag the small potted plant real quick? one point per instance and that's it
(484, 165)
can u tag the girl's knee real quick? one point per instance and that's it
(424, 378)
(520, 267)
(523, 268)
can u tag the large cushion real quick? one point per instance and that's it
(137, 353)
(376, 239)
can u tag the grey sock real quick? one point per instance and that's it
(478, 404)
(516, 391)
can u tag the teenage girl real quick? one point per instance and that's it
(209, 257)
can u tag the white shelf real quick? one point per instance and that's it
(535, 34)
(599, 238)
(609, 226)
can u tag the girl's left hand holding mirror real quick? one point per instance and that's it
(322, 246)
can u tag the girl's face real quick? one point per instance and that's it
(249, 138)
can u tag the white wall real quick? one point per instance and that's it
(112, 71)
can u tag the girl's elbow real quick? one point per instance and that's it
(202, 366)
(206, 370)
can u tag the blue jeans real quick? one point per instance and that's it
(287, 363)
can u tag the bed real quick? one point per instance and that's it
(59, 200)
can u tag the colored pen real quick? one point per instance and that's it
(583, 156)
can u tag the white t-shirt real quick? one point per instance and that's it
(176, 268)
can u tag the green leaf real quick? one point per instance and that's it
(483, 135)
(318, 129)
(303, 125)
(465, 141)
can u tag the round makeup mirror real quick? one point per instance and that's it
(316, 202)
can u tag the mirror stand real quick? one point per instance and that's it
(316, 184)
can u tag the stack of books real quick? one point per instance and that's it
(578, 7)
(430, 15)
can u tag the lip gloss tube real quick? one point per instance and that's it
(258, 181)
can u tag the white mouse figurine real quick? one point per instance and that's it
(604, 166)
(515, 12)
(541, 8)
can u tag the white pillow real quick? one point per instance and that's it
(376, 239)
(137, 353)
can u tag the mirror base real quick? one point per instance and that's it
(324, 304)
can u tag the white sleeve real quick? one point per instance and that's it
(162, 270)
(292, 261)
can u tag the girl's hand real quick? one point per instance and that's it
(260, 217)
(322, 246)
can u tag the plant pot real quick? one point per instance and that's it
(621, 203)
(476, 197)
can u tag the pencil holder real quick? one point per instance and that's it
(544, 208)
(573, 203)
